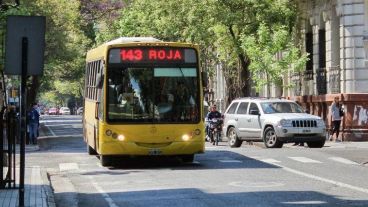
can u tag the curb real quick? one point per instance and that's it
(48, 189)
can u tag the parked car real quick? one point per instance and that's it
(80, 111)
(273, 121)
(64, 111)
(53, 111)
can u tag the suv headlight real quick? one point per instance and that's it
(286, 123)
(320, 123)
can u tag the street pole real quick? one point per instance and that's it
(23, 119)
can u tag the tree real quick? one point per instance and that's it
(273, 56)
(218, 26)
(65, 43)
(97, 15)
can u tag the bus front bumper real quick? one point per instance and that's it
(133, 148)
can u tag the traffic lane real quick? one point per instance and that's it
(62, 133)
(216, 158)
(234, 183)
(65, 125)
(218, 175)
(317, 164)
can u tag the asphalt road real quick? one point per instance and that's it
(246, 176)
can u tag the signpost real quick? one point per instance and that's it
(24, 51)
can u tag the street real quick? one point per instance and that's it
(247, 176)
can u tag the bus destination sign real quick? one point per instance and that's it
(152, 55)
(129, 54)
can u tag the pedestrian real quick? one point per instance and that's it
(33, 123)
(336, 113)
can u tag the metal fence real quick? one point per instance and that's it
(8, 126)
(333, 83)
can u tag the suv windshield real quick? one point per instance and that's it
(281, 107)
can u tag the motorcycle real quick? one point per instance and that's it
(214, 131)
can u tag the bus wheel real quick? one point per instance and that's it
(90, 150)
(105, 160)
(187, 158)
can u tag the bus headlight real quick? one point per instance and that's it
(121, 137)
(114, 135)
(185, 137)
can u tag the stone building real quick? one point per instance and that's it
(335, 34)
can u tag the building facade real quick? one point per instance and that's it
(335, 34)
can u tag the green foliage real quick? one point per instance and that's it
(242, 35)
(227, 32)
(273, 56)
(66, 46)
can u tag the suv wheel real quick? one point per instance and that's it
(233, 139)
(270, 139)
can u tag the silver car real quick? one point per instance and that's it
(273, 121)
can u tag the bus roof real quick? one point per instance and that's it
(99, 52)
(122, 40)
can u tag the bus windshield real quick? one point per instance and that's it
(158, 94)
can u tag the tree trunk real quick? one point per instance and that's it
(32, 90)
(244, 72)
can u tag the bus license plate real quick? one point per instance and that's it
(154, 152)
(307, 131)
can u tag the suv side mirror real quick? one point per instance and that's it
(254, 112)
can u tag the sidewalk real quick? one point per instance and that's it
(38, 192)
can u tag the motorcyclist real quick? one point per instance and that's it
(211, 115)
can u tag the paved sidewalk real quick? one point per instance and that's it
(38, 192)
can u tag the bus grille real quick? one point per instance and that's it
(304, 123)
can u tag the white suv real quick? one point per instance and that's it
(64, 111)
(273, 121)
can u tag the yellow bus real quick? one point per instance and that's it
(143, 97)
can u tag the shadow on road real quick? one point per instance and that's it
(195, 197)
(209, 160)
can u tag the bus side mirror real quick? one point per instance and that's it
(204, 79)
(99, 80)
(96, 109)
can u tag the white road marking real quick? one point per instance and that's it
(61, 120)
(256, 184)
(68, 166)
(61, 136)
(343, 160)
(314, 177)
(227, 161)
(270, 161)
(48, 125)
(305, 202)
(304, 160)
(106, 196)
(52, 132)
